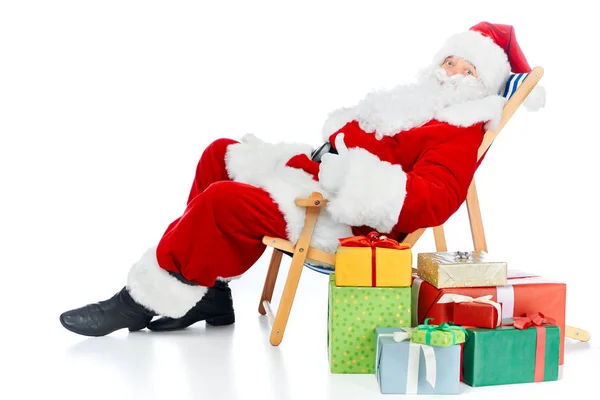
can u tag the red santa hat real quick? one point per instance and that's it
(495, 53)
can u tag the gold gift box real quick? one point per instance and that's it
(461, 269)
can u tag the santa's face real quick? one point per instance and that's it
(456, 78)
(455, 65)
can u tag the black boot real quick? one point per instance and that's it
(102, 318)
(216, 308)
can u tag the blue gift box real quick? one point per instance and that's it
(402, 367)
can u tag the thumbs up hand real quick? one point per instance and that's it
(333, 166)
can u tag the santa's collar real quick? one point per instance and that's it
(487, 110)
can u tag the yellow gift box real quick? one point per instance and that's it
(373, 261)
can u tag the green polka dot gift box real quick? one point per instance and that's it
(442, 335)
(353, 315)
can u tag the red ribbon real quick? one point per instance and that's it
(373, 240)
(536, 320)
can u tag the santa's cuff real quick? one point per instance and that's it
(159, 291)
(371, 193)
(253, 157)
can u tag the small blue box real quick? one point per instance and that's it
(392, 365)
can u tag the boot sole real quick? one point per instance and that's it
(221, 320)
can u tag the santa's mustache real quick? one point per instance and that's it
(455, 81)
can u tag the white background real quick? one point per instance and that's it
(105, 108)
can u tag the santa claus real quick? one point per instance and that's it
(400, 160)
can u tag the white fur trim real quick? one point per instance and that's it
(336, 120)
(488, 110)
(229, 279)
(157, 290)
(372, 192)
(536, 99)
(254, 158)
(489, 59)
(264, 167)
(404, 107)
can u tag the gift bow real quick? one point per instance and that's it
(536, 319)
(373, 239)
(459, 298)
(414, 354)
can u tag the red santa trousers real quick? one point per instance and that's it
(219, 236)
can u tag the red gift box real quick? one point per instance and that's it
(479, 315)
(521, 296)
(480, 312)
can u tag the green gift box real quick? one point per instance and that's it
(511, 354)
(353, 315)
(442, 335)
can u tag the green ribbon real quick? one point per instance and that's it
(443, 327)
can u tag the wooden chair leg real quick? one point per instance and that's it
(440, 239)
(475, 221)
(293, 278)
(271, 279)
(412, 238)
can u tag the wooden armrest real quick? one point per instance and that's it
(577, 334)
(315, 200)
(287, 246)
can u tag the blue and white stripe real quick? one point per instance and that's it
(320, 268)
(514, 81)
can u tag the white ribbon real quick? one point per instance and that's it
(412, 375)
(459, 298)
(506, 296)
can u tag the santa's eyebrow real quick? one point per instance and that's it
(469, 62)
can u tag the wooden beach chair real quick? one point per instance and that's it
(517, 89)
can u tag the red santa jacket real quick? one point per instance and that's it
(416, 178)
(420, 179)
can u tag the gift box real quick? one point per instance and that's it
(461, 269)
(523, 352)
(353, 315)
(374, 261)
(481, 312)
(404, 367)
(522, 295)
(442, 335)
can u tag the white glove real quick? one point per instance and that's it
(333, 166)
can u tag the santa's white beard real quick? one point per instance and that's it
(387, 112)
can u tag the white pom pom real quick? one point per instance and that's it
(250, 138)
(536, 99)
